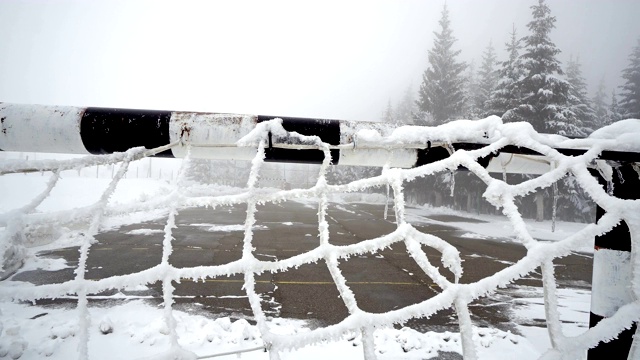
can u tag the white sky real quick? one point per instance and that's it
(331, 59)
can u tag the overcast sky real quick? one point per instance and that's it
(330, 59)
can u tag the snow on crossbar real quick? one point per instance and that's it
(63, 129)
(405, 153)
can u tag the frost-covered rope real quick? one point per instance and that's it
(16, 223)
(248, 259)
(87, 241)
(19, 166)
(165, 266)
(453, 294)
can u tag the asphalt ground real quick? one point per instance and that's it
(384, 281)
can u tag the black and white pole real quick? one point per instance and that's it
(76, 130)
(612, 269)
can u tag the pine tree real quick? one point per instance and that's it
(506, 95)
(600, 106)
(630, 95)
(387, 116)
(545, 95)
(201, 171)
(471, 90)
(442, 90)
(614, 109)
(406, 108)
(579, 100)
(487, 80)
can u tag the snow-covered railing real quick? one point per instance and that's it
(406, 153)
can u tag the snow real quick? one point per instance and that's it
(144, 232)
(65, 196)
(134, 330)
(144, 336)
(625, 132)
(494, 227)
(141, 330)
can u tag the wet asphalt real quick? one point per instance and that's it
(387, 280)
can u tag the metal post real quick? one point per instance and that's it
(612, 269)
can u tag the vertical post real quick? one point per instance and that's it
(612, 269)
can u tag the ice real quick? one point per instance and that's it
(171, 334)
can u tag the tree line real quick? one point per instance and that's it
(530, 85)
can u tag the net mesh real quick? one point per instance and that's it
(452, 293)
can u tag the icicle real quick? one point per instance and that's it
(453, 184)
(504, 168)
(555, 205)
(636, 167)
(386, 203)
(606, 171)
(620, 177)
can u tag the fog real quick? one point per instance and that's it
(329, 59)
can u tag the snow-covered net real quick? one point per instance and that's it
(453, 294)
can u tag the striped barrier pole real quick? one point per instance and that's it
(76, 130)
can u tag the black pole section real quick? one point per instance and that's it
(327, 130)
(433, 154)
(105, 131)
(612, 266)
(622, 156)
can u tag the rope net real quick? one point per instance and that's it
(452, 294)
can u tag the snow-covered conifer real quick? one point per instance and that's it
(487, 80)
(579, 100)
(442, 90)
(506, 95)
(630, 95)
(406, 108)
(615, 113)
(600, 106)
(544, 94)
(471, 90)
(387, 116)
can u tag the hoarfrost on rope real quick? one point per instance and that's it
(490, 131)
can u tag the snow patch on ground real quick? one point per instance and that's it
(474, 236)
(495, 226)
(145, 232)
(574, 308)
(42, 263)
(135, 330)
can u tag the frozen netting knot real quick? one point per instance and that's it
(495, 193)
(451, 260)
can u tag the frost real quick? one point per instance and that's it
(368, 331)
